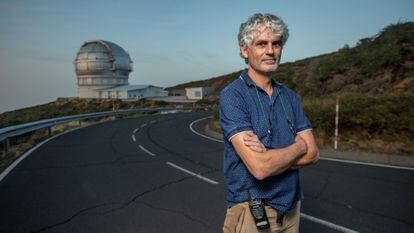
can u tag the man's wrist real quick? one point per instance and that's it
(301, 145)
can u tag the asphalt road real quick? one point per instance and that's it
(153, 174)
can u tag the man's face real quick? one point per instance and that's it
(264, 53)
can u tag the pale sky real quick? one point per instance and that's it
(170, 42)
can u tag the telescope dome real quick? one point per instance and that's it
(101, 64)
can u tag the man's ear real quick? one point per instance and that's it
(244, 51)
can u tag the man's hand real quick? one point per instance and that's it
(252, 141)
(312, 152)
(302, 142)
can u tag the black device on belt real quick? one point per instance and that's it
(258, 211)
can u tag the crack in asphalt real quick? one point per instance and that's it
(156, 189)
(120, 205)
(325, 185)
(206, 225)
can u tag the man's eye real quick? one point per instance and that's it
(277, 44)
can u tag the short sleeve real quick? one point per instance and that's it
(234, 114)
(302, 122)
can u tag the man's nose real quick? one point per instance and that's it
(269, 49)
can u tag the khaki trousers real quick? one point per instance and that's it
(240, 220)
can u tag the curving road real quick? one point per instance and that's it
(154, 174)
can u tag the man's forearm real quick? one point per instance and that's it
(262, 164)
(280, 160)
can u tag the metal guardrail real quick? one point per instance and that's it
(16, 130)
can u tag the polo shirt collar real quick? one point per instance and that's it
(248, 80)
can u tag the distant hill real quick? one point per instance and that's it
(381, 64)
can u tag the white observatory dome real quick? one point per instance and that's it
(101, 64)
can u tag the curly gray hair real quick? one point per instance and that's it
(255, 22)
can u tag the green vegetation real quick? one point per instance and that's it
(363, 119)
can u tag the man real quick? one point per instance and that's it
(267, 136)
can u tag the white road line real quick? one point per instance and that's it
(327, 224)
(135, 130)
(202, 135)
(23, 156)
(322, 158)
(192, 173)
(366, 163)
(133, 137)
(146, 151)
(143, 125)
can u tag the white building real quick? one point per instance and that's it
(132, 92)
(198, 92)
(102, 69)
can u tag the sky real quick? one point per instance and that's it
(170, 42)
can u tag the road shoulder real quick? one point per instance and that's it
(357, 156)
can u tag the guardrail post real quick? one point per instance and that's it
(6, 145)
(80, 123)
(49, 131)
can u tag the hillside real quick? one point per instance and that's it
(70, 106)
(381, 64)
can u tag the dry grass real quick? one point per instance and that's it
(398, 144)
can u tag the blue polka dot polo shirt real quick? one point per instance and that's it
(243, 108)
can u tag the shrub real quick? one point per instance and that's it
(382, 115)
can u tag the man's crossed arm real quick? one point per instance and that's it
(262, 162)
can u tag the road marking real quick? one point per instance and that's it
(366, 163)
(143, 125)
(202, 135)
(133, 137)
(327, 224)
(135, 130)
(192, 173)
(23, 156)
(322, 158)
(147, 151)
